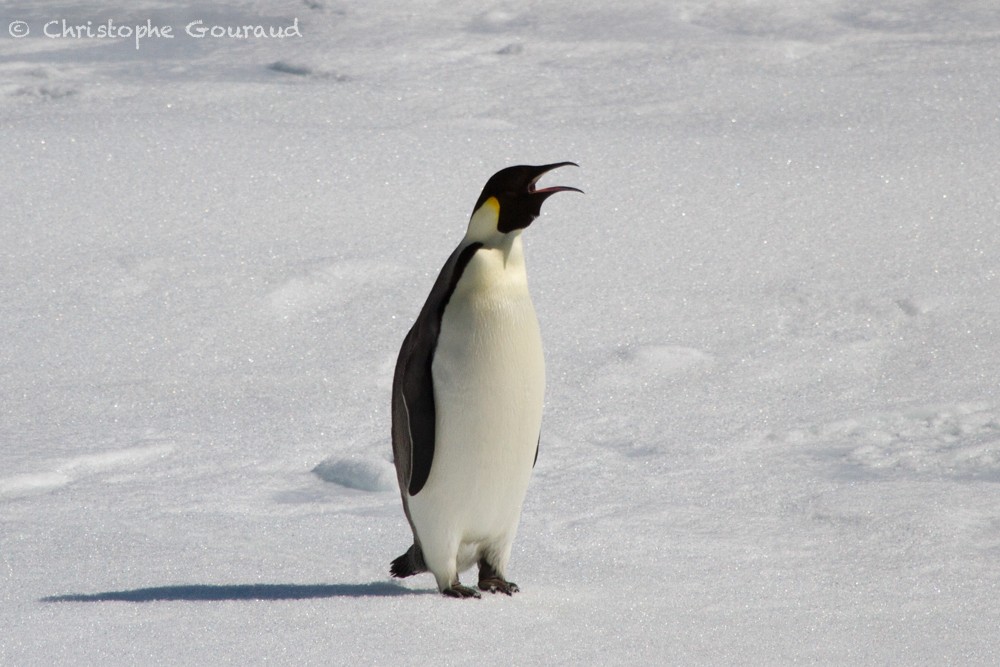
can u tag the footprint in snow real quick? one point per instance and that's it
(327, 286)
(58, 473)
(39, 83)
(499, 20)
(283, 67)
(663, 358)
(358, 473)
(955, 441)
(513, 49)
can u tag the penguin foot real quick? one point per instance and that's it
(457, 590)
(498, 585)
(492, 581)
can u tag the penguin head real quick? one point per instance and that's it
(510, 201)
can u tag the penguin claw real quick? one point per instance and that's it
(460, 591)
(498, 585)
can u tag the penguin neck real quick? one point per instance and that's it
(483, 230)
(496, 273)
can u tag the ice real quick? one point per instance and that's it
(771, 423)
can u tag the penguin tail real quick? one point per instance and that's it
(410, 563)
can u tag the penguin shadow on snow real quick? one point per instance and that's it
(351, 473)
(241, 592)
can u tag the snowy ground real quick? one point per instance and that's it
(772, 430)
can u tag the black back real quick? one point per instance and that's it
(413, 411)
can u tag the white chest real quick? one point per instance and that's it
(489, 352)
(489, 383)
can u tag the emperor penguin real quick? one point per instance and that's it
(467, 396)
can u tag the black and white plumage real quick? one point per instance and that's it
(467, 395)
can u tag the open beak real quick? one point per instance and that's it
(541, 171)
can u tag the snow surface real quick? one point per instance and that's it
(772, 430)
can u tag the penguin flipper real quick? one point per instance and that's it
(412, 418)
(413, 411)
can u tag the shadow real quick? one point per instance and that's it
(210, 593)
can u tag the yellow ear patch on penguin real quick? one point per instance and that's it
(483, 224)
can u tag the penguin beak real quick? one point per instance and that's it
(515, 190)
(547, 192)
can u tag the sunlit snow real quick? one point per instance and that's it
(772, 328)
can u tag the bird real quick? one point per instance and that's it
(467, 396)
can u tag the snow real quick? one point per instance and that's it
(772, 426)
